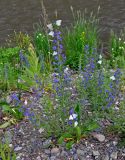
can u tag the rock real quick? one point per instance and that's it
(115, 143)
(38, 158)
(80, 152)
(99, 137)
(47, 143)
(63, 154)
(53, 158)
(55, 150)
(17, 148)
(123, 151)
(47, 151)
(8, 99)
(105, 157)
(114, 155)
(41, 130)
(95, 153)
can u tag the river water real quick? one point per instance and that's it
(21, 15)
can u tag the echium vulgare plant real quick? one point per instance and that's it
(57, 109)
(99, 88)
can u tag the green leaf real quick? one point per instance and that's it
(62, 138)
(69, 144)
(5, 125)
(78, 133)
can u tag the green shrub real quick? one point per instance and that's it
(82, 33)
(117, 50)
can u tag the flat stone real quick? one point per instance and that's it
(17, 148)
(80, 152)
(105, 157)
(8, 99)
(114, 155)
(95, 153)
(47, 151)
(63, 154)
(99, 137)
(38, 158)
(55, 150)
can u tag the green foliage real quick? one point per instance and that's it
(20, 39)
(42, 48)
(9, 67)
(81, 34)
(117, 50)
(31, 70)
(6, 152)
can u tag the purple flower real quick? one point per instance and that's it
(54, 48)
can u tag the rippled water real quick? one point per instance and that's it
(20, 15)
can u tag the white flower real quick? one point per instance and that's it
(50, 26)
(119, 39)
(55, 53)
(99, 62)
(25, 102)
(73, 116)
(70, 117)
(51, 33)
(112, 78)
(75, 124)
(100, 56)
(58, 22)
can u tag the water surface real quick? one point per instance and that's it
(21, 15)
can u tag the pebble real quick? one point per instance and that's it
(55, 150)
(80, 152)
(99, 137)
(114, 155)
(47, 151)
(38, 158)
(95, 153)
(17, 148)
(8, 99)
(105, 157)
(47, 143)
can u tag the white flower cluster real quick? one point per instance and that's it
(50, 27)
(73, 117)
(100, 59)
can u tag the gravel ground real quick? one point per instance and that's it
(29, 143)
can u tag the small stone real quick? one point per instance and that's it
(8, 99)
(55, 150)
(47, 151)
(53, 158)
(114, 155)
(17, 148)
(99, 137)
(115, 143)
(64, 154)
(123, 150)
(47, 143)
(80, 152)
(41, 130)
(95, 153)
(105, 157)
(10, 145)
(38, 158)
